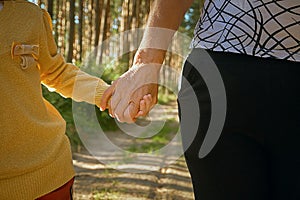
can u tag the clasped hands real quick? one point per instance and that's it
(133, 94)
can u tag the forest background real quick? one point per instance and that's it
(82, 28)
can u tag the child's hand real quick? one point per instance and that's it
(145, 106)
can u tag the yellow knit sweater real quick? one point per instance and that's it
(35, 156)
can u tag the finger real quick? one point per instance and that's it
(148, 99)
(119, 110)
(144, 91)
(132, 108)
(140, 97)
(106, 96)
(142, 110)
(148, 103)
(143, 105)
(109, 109)
(130, 113)
(114, 105)
(139, 114)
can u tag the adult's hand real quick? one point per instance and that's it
(129, 89)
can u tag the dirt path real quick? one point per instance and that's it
(95, 180)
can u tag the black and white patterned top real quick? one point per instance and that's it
(264, 28)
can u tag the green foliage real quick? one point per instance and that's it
(191, 19)
(115, 69)
(109, 69)
(115, 8)
(106, 122)
(64, 106)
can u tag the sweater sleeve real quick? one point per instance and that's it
(65, 78)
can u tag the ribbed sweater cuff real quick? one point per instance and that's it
(101, 87)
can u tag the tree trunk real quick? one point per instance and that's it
(98, 19)
(71, 30)
(90, 22)
(80, 29)
(50, 8)
(56, 30)
(104, 29)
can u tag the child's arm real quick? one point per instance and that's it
(69, 80)
(65, 78)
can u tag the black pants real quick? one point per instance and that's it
(257, 156)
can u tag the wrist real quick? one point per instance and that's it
(157, 38)
(149, 56)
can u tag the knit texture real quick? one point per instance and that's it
(35, 155)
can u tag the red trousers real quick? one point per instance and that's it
(62, 193)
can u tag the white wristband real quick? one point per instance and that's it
(157, 38)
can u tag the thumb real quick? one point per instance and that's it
(106, 96)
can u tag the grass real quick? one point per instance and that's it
(106, 194)
(149, 145)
